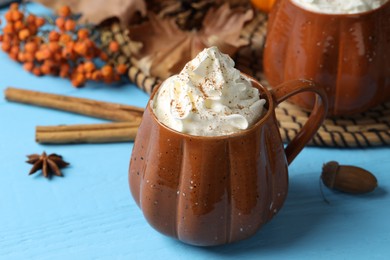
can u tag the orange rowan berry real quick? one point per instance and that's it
(24, 34)
(14, 6)
(8, 16)
(15, 40)
(13, 56)
(53, 36)
(17, 15)
(1, 37)
(121, 69)
(103, 56)
(49, 63)
(88, 75)
(37, 71)
(78, 80)
(32, 28)
(19, 25)
(89, 66)
(57, 56)
(96, 75)
(6, 46)
(12, 39)
(49, 67)
(64, 70)
(39, 55)
(31, 46)
(60, 23)
(68, 52)
(45, 69)
(64, 11)
(54, 47)
(39, 21)
(31, 19)
(15, 49)
(28, 56)
(114, 46)
(38, 40)
(43, 54)
(47, 54)
(83, 33)
(29, 65)
(65, 38)
(70, 25)
(90, 44)
(21, 57)
(107, 71)
(7, 38)
(63, 74)
(70, 45)
(90, 49)
(65, 65)
(80, 48)
(80, 68)
(9, 28)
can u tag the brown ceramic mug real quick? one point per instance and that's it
(209, 191)
(348, 55)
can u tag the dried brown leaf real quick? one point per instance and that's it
(222, 28)
(166, 48)
(98, 11)
(162, 46)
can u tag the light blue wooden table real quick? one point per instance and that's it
(90, 214)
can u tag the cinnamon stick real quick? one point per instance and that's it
(88, 133)
(100, 109)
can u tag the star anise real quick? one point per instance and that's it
(49, 164)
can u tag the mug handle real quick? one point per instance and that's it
(316, 118)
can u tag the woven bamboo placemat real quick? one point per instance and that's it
(369, 129)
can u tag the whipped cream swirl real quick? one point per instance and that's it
(340, 6)
(209, 97)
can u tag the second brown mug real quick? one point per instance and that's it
(348, 55)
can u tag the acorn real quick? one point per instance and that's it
(348, 179)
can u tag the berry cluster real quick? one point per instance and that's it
(66, 50)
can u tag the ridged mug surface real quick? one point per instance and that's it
(208, 190)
